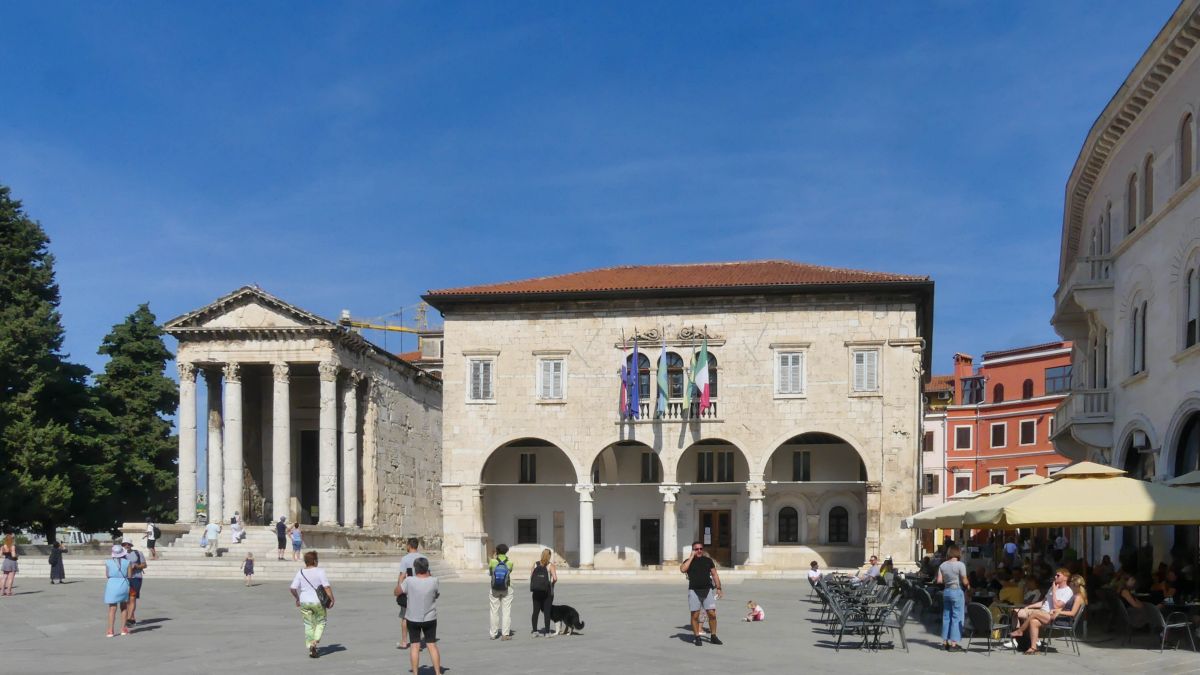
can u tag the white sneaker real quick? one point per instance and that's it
(1010, 644)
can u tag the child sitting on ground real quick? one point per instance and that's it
(248, 568)
(756, 612)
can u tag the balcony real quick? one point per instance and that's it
(1084, 421)
(675, 412)
(1088, 289)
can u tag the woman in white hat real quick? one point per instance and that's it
(116, 589)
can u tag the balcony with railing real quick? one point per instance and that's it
(676, 412)
(1082, 422)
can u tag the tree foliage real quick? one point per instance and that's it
(135, 400)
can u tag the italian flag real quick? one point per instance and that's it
(700, 375)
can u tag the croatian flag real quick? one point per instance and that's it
(700, 375)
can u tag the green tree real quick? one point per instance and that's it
(42, 453)
(135, 401)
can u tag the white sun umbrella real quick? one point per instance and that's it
(1190, 479)
(950, 514)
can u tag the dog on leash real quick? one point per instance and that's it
(566, 620)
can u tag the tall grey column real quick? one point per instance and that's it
(215, 453)
(586, 532)
(327, 502)
(670, 528)
(350, 450)
(234, 469)
(187, 442)
(281, 446)
(756, 493)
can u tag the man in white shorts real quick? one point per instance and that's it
(704, 588)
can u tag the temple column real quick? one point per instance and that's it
(214, 452)
(871, 540)
(756, 492)
(327, 502)
(350, 450)
(586, 535)
(370, 475)
(282, 499)
(474, 555)
(234, 468)
(670, 528)
(187, 443)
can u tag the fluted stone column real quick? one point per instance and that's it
(586, 532)
(234, 469)
(281, 445)
(670, 527)
(187, 442)
(327, 502)
(215, 452)
(756, 492)
(350, 450)
(370, 468)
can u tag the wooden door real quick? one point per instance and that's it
(650, 543)
(716, 531)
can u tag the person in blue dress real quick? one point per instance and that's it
(116, 589)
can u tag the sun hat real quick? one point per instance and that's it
(118, 551)
(127, 542)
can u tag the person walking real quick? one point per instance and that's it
(281, 536)
(57, 572)
(151, 538)
(500, 598)
(137, 564)
(212, 532)
(248, 568)
(953, 575)
(116, 589)
(541, 584)
(8, 563)
(407, 569)
(422, 591)
(702, 576)
(237, 532)
(297, 540)
(307, 588)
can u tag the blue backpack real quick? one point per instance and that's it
(500, 574)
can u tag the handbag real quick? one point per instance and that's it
(322, 596)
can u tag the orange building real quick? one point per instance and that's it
(999, 426)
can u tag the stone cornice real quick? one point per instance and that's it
(1170, 48)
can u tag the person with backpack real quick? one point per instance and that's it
(407, 565)
(281, 536)
(500, 600)
(541, 584)
(151, 537)
(137, 565)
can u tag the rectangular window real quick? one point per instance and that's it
(1026, 471)
(596, 529)
(866, 370)
(962, 438)
(962, 483)
(528, 468)
(1058, 380)
(650, 468)
(999, 434)
(927, 445)
(997, 477)
(930, 484)
(789, 373)
(1051, 470)
(1028, 432)
(550, 379)
(481, 380)
(801, 465)
(714, 466)
(527, 530)
(972, 390)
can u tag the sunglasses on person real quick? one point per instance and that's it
(697, 548)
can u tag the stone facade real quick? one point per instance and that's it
(589, 461)
(305, 419)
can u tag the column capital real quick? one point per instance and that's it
(668, 492)
(187, 371)
(756, 491)
(328, 371)
(281, 372)
(356, 376)
(233, 372)
(585, 491)
(212, 376)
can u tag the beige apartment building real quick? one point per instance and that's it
(808, 451)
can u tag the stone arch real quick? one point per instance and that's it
(743, 469)
(848, 439)
(776, 503)
(613, 470)
(1139, 422)
(1179, 421)
(539, 441)
(855, 512)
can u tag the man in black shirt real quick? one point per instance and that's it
(704, 588)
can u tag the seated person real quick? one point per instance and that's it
(1078, 601)
(978, 577)
(887, 567)
(1169, 588)
(1104, 571)
(1133, 606)
(871, 573)
(1031, 593)
(1057, 599)
(1010, 592)
(814, 573)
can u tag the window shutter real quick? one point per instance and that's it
(872, 371)
(476, 383)
(485, 380)
(545, 385)
(556, 384)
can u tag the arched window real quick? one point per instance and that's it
(712, 375)
(675, 378)
(1148, 187)
(1106, 231)
(998, 393)
(1138, 333)
(789, 526)
(839, 525)
(1191, 307)
(1186, 148)
(643, 375)
(1027, 389)
(1131, 209)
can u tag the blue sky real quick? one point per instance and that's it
(356, 154)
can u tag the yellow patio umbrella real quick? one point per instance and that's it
(1086, 494)
(1029, 481)
(950, 515)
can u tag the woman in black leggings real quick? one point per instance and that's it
(541, 583)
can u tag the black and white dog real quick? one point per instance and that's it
(566, 620)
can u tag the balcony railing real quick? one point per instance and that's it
(1097, 267)
(1083, 405)
(676, 411)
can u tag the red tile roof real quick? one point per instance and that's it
(940, 383)
(410, 356)
(686, 276)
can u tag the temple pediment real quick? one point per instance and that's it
(248, 308)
